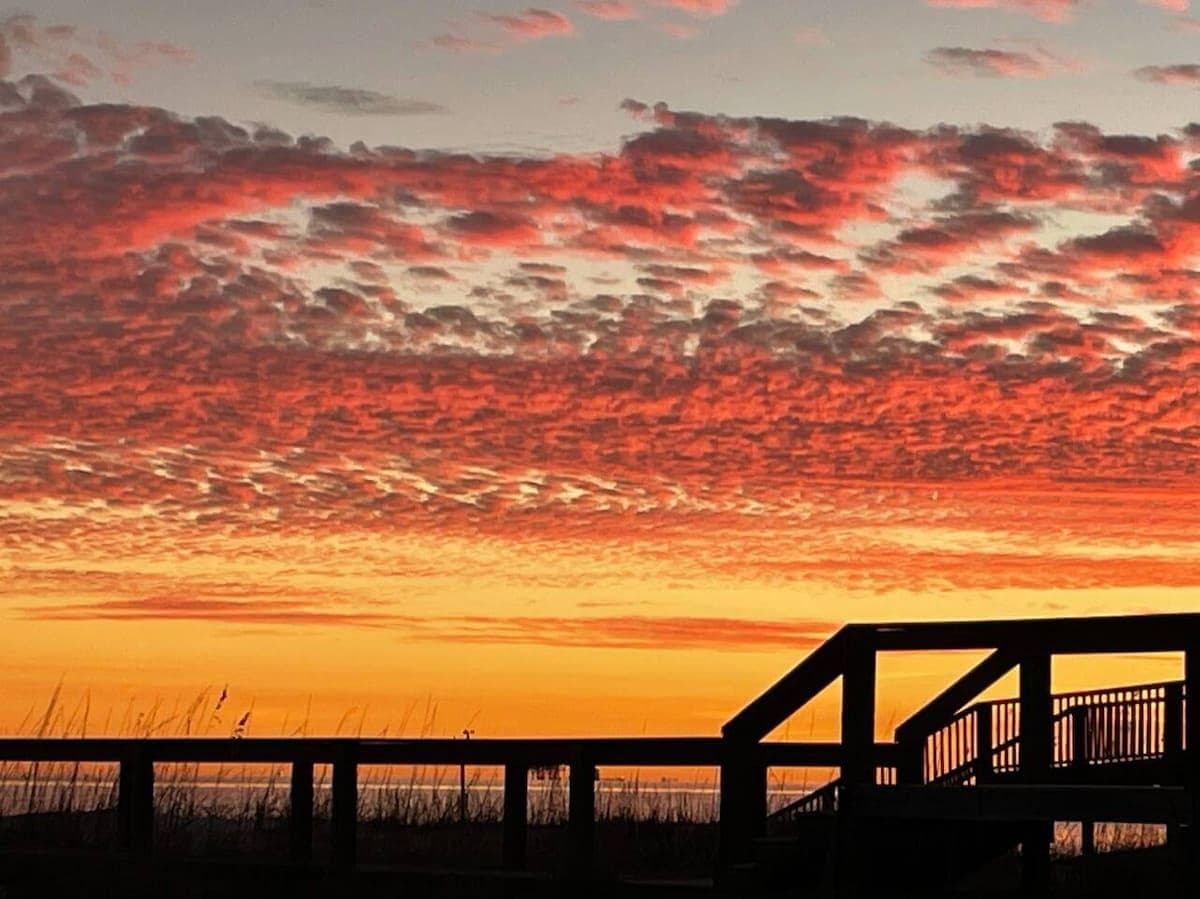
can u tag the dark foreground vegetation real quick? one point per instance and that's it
(54, 854)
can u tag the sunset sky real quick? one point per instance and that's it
(576, 369)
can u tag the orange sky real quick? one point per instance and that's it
(571, 441)
(653, 622)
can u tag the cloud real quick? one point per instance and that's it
(1046, 10)
(534, 24)
(211, 329)
(613, 10)
(595, 632)
(681, 31)
(986, 63)
(990, 63)
(700, 7)
(946, 241)
(79, 56)
(345, 100)
(456, 43)
(1185, 74)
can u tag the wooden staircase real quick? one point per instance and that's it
(1123, 735)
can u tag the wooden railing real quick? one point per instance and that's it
(136, 760)
(1119, 725)
(824, 799)
(1090, 727)
(1033, 736)
(983, 740)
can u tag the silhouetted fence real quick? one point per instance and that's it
(1117, 754)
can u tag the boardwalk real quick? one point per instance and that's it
(961, 782)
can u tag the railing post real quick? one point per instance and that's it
(743, 811)
(1173, 730)
(756, 799)
(581, 818)
(1037, 755)
(1191, 766)
(858, 757)
(135, 800)
(300, 805)
(344, 811)
(984, 768)
(910, 765)
(516, 815)
(1173, 746)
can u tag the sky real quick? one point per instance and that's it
(578, 368)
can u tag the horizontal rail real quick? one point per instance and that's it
(1081, 697)
(647, 751)
(1170, 632)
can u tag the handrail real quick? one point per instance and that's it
(1063, 703)
(1161, 632)
(825, 797)
(1003, 756)
(818, 670)
(1130, 688)
(616, 751)
(933, 714)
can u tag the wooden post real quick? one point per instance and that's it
(1037, 754)
(516, 816)
(1191, 773)
(984, 768)
(135, 800)
(733, 841)
(910, 766)
(344, 812)
(858, 758)
(300, 802)
(743, 812)
(581, 818)
(858, 713)
(1173, 747)
(1173, 731)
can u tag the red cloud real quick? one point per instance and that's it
(678, 30)
(534, 24)
(945, 242)
(599, 632)
(242, 332)
(76, 56)
(700, 7)
(1047, 10)
(615, 10)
